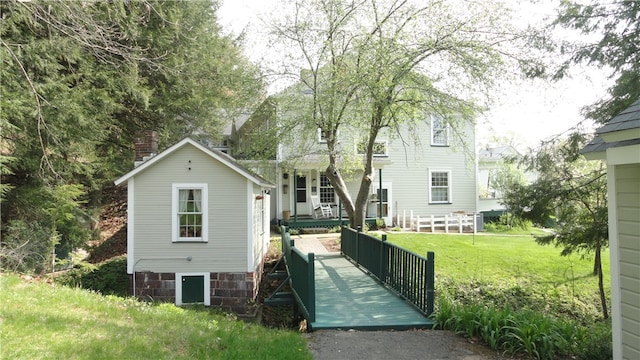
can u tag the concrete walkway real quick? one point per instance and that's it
(310, 243)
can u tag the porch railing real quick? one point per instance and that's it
(408, 274)
(300, 267)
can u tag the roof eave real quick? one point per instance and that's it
(595, 155)
(621, 135)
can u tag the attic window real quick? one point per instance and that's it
(190, 212)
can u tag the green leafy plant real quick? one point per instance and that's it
(108, 278)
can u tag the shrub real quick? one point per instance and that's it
(107, 278)
(26, 247)
(596, 342)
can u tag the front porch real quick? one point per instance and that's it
(299, 222)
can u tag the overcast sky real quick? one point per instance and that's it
(529, 112)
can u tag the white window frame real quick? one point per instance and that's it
(207, 287)
(175, 222)
(321, 139)
(449, 187)
(385, 144)
(440, 122)
(326, 188)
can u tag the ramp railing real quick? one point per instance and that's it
(408, 274)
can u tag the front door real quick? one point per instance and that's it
(384, 199)
(301, 192)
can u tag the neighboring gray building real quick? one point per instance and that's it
(618, 143)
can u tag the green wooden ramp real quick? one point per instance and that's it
(348, 298)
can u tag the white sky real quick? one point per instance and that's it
(528, 112)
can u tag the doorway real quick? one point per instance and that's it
(192, 288)
(384, 199)
(302, 190)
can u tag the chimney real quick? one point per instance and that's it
(146, 145)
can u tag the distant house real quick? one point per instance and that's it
(618, 143)
(198, 225)
(436, 176)
(490, 162)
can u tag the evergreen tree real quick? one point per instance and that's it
(78, 79)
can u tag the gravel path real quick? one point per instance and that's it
(413, 344)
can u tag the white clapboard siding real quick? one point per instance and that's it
(226, 248)
(628, 227)
(409, 174)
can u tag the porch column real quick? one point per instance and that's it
(380, 189)
(295, 195)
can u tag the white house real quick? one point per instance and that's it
(618, 143)
(489, 161)
(436, 176)
(198, 225)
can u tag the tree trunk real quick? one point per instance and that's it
(597, 262)
(603, 298)
(362, 198)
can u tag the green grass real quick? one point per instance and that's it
(511, 263)
(42, 321)
(499, 258)
(518, 297)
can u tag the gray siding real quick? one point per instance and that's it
(628, 210)
(226, 249)
(409, 174)
(406, 167)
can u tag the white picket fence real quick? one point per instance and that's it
(447, 223)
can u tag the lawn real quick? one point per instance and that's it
(509, 260)
(43, 321)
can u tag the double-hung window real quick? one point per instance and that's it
(190, 210)
(327, 195)
(440, 187)
(439, 132)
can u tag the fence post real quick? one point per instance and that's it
(430, 281)
(311, 281)
(359, 230)
(382, 272)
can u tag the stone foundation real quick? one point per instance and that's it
(234, 292)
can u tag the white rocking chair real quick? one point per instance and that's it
(320, 210)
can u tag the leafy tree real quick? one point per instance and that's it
(616, 26)
(573, 192)
(371, 66)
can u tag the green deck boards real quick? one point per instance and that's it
(348, 298)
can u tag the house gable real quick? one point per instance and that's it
(219, 156)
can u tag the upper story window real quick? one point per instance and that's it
(440, 187)
(321, 136)
(380, 148)
(439, 132)
(190, 208)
